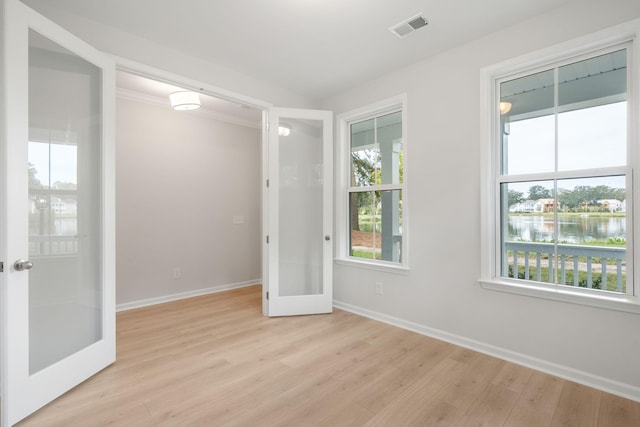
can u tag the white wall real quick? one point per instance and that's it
(441, 294)
(181, 179)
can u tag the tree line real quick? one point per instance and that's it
(580, 196)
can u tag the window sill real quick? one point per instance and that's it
(580, 296)
(377, 266)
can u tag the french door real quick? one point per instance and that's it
(299, 206)
(57, 216)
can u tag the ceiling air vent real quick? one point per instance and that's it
(408, 26)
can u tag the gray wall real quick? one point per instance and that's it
(181, 179)
(441, 293)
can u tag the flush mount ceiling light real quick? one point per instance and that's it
(284, 129)
(185, 100)
(505, 107)
(408, 26)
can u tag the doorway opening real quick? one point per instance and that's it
(188, 193)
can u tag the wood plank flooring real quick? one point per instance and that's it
(216, 361)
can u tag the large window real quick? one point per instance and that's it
(560, 187)
(375, 186)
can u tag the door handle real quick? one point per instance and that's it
(22, 264)
(327, 238)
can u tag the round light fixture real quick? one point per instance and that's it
(185, 100)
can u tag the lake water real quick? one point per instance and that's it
(573, 229)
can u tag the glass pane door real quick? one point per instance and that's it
(301, 207)
(64, 203)
(57, 291)
(300, 216)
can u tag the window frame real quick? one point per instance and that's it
(390, 105)
(620, 36)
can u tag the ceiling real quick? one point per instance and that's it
(315, 48)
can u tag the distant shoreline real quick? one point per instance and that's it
(572, 214)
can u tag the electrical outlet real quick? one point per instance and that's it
(379, 288)
(177, 272)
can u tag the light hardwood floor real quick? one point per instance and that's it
(216, 361)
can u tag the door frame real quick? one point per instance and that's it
(154, 73)
(164, 76)
(321, 303)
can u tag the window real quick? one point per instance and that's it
(374, 204)
(559, 185)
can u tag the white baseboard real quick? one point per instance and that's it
(182, 295)
(610, 386)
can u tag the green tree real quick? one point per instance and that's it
(366, 170)
(362, 174)
(580, 197)
(585, 196)
(515, 197)
(537, 192)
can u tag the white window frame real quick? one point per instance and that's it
(490, 163)
(396, 103)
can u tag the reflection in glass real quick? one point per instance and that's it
(301, 237)
(65, 285)
(53, 213)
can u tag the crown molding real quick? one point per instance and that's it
(156, 101)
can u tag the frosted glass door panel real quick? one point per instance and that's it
(301, 208)
(65, 289)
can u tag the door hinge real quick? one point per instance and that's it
(267, 183)
(1, 267)
(267, 294)
(267, 239)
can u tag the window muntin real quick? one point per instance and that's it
(375, 191)
(562, 219)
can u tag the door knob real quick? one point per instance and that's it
(327, 238)
(22, 264)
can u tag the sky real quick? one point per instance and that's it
(587, 138)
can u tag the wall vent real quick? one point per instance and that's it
(408, 26)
